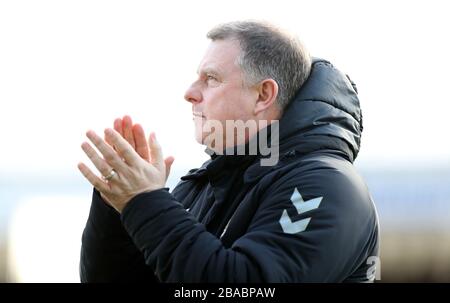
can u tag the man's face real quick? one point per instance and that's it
(219, 94)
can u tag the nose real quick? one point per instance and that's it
(193, 94)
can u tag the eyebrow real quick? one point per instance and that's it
(208, 70)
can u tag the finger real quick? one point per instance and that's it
(93, 179)
(124, 149)
(155, 151)
(108, 141)
(110, 156)
(98, 161)
(118, 126)
(127, 127)
(141, 144)
(168, 162)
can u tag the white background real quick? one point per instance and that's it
(67, 66)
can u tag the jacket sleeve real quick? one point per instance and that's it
(180, 249)
(108, 254)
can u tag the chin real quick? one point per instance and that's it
(199, 137)
(199, 124)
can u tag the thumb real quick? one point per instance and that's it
(168, 162)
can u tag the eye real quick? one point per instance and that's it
(211, 77)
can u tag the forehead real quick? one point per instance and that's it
(220, 57)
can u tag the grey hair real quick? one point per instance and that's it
(268, 52)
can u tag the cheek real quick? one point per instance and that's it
(240, 109)
(217, 105)
(228, 104)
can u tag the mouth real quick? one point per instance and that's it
(198, 115)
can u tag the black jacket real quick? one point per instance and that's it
(309, 218)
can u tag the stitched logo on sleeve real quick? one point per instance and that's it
(301, 206)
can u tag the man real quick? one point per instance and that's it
(308, 217)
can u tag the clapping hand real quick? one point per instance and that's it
(128, 163)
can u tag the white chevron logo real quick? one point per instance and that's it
(286, 223)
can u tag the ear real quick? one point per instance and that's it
(267, 95)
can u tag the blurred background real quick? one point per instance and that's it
(69, 66)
